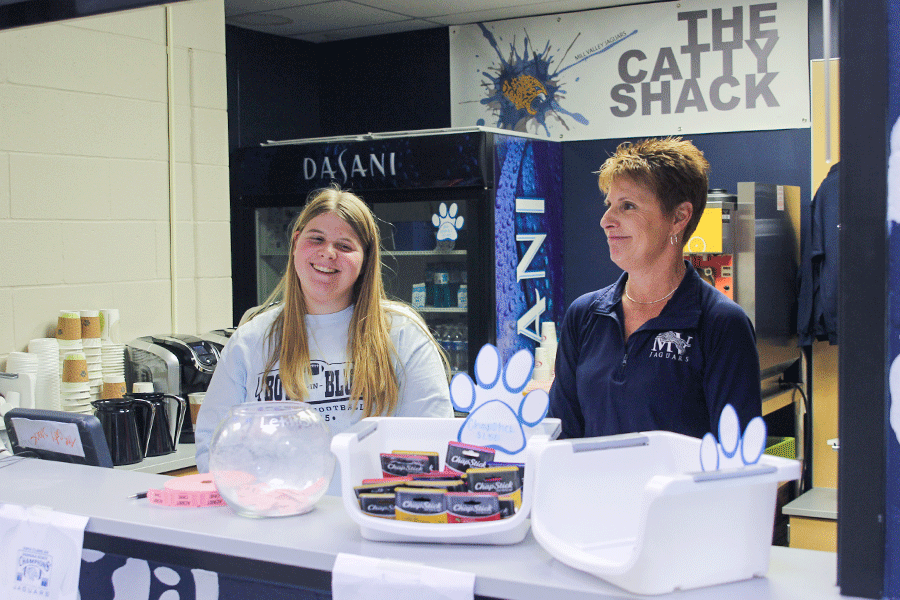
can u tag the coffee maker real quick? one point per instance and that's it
(177, 364)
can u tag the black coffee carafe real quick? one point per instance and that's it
(119, 419)
(159, 438)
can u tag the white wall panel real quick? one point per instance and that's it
(214, 303)
(212, 201)
(139, 190)
(75, 59)
(32, 252)
(4, 186)
(210, 132)
(213, 249)
(84, 173)
(200, 25)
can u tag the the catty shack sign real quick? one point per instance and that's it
(651, 69)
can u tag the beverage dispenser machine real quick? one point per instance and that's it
(748, 245)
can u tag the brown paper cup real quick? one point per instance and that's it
(90, 324)
(113, 390)
(75, 369)
(196, 401)
(68, 326)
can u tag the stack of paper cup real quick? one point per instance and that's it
(548, 343)
(90, 339)
(75, 389)
(68, 333)
(112, 360)
(541, 367)
(109, 325)
(46, 388)
(24, 362)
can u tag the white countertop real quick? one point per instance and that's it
(817, 503)
(521, 571)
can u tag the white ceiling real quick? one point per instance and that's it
(331, 20)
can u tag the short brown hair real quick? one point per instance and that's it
(673, 168)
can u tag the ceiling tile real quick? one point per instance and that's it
(431, 8)
(526, 10)
(241, 7)
(356, 32)
(328, 20)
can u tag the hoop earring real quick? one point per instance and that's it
(674, 239)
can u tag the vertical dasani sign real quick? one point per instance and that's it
(892, 443)
(657, 69)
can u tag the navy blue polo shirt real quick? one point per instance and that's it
(675, 373)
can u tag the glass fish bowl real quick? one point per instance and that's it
(272, 459)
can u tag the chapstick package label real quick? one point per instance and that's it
(40, 553)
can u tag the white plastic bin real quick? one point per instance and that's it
(636, 510)
(358, 453)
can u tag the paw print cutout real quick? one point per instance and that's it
(733, 450)
(447, 222)
(498, 412)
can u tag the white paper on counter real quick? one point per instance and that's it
(363, 578)
(40, 553)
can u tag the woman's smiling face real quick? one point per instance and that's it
(636, 227)
(328, 258)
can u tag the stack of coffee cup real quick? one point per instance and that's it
(90, 339)
(75, 389)
(112, 349)
(544, 360)
(46, 389)
(541, 366)
(68, 334)
(548, 343)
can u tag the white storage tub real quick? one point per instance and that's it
(358, 453)
(636, 510)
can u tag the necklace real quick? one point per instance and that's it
(652, 301)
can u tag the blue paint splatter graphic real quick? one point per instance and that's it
(524, 90)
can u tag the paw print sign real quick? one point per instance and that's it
(733, 449)
(447, 223)
(498, 412)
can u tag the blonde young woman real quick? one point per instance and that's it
(334, 341)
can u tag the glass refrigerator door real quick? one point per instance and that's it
(426, 257)
(418, 268)
(273, 246)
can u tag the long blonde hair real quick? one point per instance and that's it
(369, 346)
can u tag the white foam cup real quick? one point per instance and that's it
(548, 332)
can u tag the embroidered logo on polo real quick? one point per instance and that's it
(670, 345)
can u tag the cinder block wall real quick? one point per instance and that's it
(86, 213)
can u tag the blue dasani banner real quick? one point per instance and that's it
(892, 463)
(665, 68)
(529, 245)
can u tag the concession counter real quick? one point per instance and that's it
(211, 553)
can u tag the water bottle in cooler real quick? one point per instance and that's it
(455, 344)
(462, 356)
(442, 287)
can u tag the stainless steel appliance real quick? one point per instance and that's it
(218, 337)
(177, 364)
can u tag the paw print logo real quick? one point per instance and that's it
(447, 222)
(732, 449)
(498, 412)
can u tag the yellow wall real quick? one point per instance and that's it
(825, 356)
